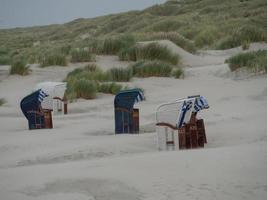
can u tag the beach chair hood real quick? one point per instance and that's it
(126, 99)
(54, 90)
(192, 104)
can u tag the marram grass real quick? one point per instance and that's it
(2, 101)
(52, 59)
(152, 68)
(81, 55)
(85, 89)
(120, 74)
(19, 67)
(152, 51)
(253, 61)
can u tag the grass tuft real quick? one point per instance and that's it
(85, 82)
(178, 73)
(120, 74)
(109, 88)
(175, 37)
(152, 68)
(245, 45)
(152, 51)
(91, 67)
(2, 101)
(19, 67)
(49, 59)
(254, 61)
(114, 45)
(81, 55)
(4, 59)
(244, 34)
(85, 89)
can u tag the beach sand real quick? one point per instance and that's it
(82, 159)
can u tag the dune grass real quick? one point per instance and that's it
(81, 55)
(178, 73)
(19, 66)
(91, 67)
(120, 74)
(113, 45)
(207, 36)
(52, 59)
(85, 89)
(152, 51)
(253, 61)
(175, 37)
(152, 68)
(2, 101)
(109, 88)
(243, 34)
(190, 24)
(4, 59)
(87, 81)
(4, 56)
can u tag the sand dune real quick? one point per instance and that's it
(208, 57)
(81, 158)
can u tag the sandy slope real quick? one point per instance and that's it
(81, 158)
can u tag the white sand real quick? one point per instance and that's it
(82, 159)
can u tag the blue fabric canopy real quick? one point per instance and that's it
(127, 98)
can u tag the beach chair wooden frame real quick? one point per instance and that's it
(59, 102)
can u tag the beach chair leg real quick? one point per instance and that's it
(202, 132)
(188, 142)
(182, 139)
(194, 135)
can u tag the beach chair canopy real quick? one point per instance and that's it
(31, 102)
(54, 90)
(178, 112)
(127, 98)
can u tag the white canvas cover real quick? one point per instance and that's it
(53, 89)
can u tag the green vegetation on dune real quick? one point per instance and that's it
(191, 24)
(109, 88)
(152, 68)
(86, 82)
(85, 89)
(4, 56)
(151, 51)
(51, 59)
(19, 67)
(120, 74)
(175, 37)
(113, 45)
(253, 61)
(2, 101)
(155, 68)
(82, 55)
